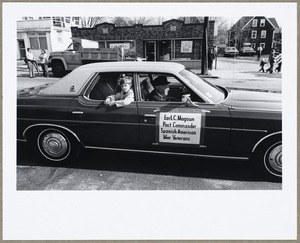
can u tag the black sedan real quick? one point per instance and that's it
(196, 119)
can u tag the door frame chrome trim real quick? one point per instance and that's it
(168, 153)
(248, 130)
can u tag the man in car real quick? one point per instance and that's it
(161, 89)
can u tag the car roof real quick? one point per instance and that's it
(72, 83)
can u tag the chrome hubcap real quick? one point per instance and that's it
(275, 158)
(54, 144)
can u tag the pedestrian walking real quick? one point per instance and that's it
(262, 64)
(44, 63)
(278, 60)
(211, 57)
(271, 61)
(259, 51)
(30, 63)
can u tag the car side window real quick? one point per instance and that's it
(152, 88)
(105, 84)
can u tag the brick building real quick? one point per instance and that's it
(172, 41)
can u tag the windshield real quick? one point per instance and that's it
(209, 91)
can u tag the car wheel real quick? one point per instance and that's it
(270, 160)
(55, 146)
(58, 70)
(273, 159)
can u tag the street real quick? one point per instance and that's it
(105, 170)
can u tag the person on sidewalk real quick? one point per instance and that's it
(211, 57)
(259, 51)
(262, 64)
(44, 63)
(30, 62)
(271, 61)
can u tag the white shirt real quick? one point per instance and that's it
(29, 56)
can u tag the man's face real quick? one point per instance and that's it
(167, 90)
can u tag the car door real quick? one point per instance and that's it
(175, 126)
(98, 125)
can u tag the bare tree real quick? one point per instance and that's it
(221, 22)
(90, 22)
(126, 21)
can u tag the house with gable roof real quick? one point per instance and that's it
(255, 31)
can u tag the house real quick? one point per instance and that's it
(254, 31)
(49, 33)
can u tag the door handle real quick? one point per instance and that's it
(150, 115)
(78, 113)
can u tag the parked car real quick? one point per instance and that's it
(247, 51)
(231, 52)
(199, 119)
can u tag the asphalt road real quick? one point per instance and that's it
(105, 170)
(98, 170)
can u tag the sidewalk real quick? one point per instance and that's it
(232, 73)
(242, 73)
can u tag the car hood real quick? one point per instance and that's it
(32, 91)
(244, 99)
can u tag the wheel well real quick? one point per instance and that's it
(272, 138)
(57, 61)
(32, 132)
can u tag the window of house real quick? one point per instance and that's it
(263, 34)
(59, 36)
(253, 34)
(58, 21)
(76, 20)
(254, 23)
(68, 20)
(38, 41)
(105, 30)
(172, 28)
(27, 18)
(262, 23)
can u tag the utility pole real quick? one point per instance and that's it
(204, 47)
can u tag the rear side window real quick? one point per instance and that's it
(105, 84)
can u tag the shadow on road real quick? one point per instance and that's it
(153, 164)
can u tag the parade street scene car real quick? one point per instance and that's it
(231, 52)
(117, 106)
(247, 51)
